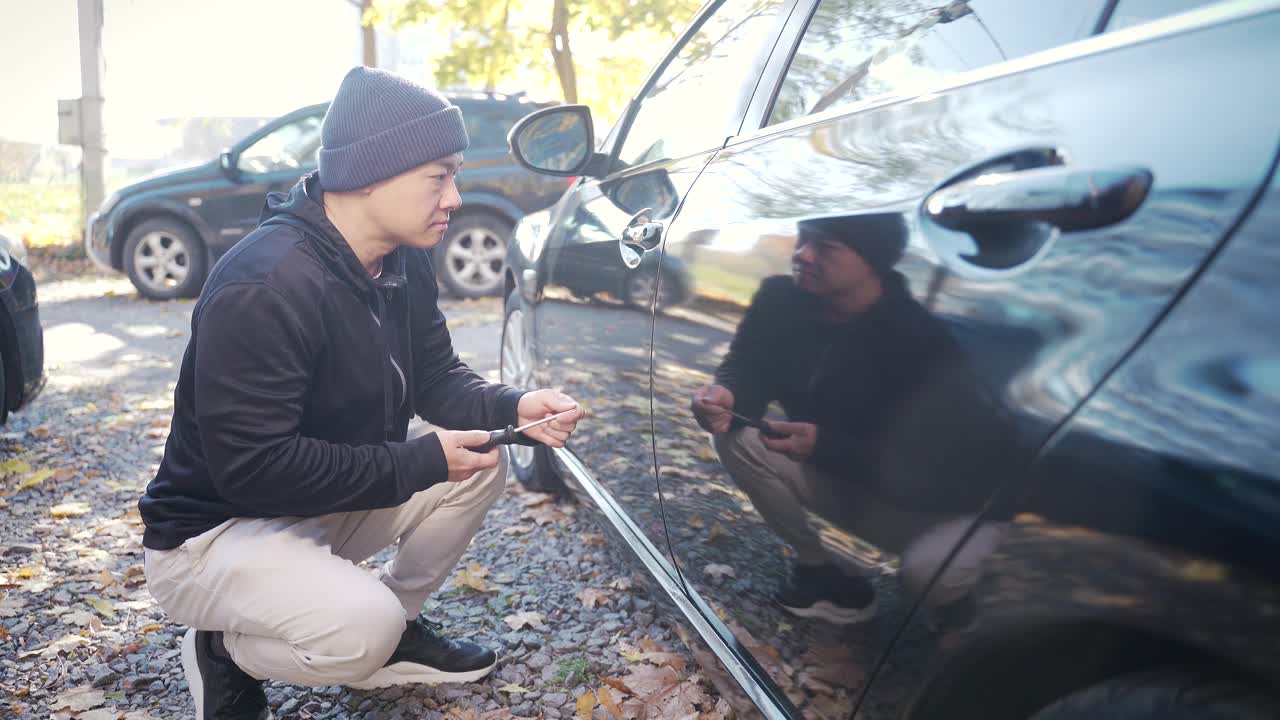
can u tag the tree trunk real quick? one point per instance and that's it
(369, 36)
(561, 53)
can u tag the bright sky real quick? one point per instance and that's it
(167, 58)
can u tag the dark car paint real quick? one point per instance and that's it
(1130, 524)
(223, 205)
(21, 336)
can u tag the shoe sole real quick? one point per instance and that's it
(191, 668)
(832, 613)
(407, 673)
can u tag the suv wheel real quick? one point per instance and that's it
(1163, 696)
(530, 465)
(472, 255)
(638, 290)
(165, 260)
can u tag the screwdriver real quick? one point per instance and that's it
(762, 425)
(507, 436)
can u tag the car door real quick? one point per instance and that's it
(271, 161)
(1029, 201)
(590, 342)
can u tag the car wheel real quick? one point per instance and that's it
(638, 289)
(531, 465)
(1163, 696)
(165, 260)
(4, 391)
(472, 255)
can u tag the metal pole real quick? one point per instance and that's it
(92, 142)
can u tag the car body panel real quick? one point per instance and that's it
(21, 335)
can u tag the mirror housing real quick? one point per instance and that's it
(227, 161)
(557, 141)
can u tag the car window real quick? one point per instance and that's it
(1135, 12)
(288, 147)
(855, 49)
(487, 127)
(695, 100)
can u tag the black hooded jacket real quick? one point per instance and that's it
(300, 378)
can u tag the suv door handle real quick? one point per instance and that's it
(1066, 198)
(1013, 214)
(640, 236)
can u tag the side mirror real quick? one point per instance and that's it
(556, 141)
(227, 161)
(650, 189)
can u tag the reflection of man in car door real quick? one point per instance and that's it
(869, 383)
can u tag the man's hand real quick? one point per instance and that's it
(711, 406)
(462, 462)
(800, 440)
(539, 404)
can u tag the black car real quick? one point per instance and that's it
(1002, 276)
(21, 337)
(166, 231)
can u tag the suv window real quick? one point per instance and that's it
(853, 50)
(1134, 12)
(487, 124)
(288, 147)
(697, 97)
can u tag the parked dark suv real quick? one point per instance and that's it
(166, 231)
(21, 336)
(991, 289)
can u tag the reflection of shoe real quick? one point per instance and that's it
(222, 691)
(826, 593)
(426, 657)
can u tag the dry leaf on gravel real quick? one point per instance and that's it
(513, 689)
(105, 607)
(79, 699)
(78, 617)
(593, 598)
(718, 571)
(473, 576)
(544, 515)
(608, 703)
(586, 704)
(533, 499)
(10, 607)
(526, 618)
(622, 583)
(521, 529)
(66, 642)
(648, 681)
(69, 510)
(100, 714)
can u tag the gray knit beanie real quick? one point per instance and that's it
(380, 125)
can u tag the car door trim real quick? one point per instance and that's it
(1193, 20)
(691, 605)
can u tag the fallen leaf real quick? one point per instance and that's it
(70, 509)
(513, 689)
(622, 583)
(717, 532)
(532, 499)
(719, 571)
(592, 598)
(53, 649)
(10, 607)
(4, 633)
(78, 617)
(616, 684)
(607, 702)
(594, 539)
(521, 529)
(33, 480)
(525, 619)
(544, 515)
(586, 704)
(14, 467)
(473, 576)
(105, 607)
(100, 714)
(696, 522)
(79, 699)
(150, 628)
(647, 681)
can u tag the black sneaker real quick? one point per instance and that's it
(426, 657)
(826, 593)
(222, 690)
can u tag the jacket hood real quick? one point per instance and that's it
(303, 207)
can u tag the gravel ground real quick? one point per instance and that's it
(81, 638)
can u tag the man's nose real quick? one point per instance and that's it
(452, 199)
(803, 253)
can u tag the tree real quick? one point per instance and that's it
(368, 32)
(493, 42)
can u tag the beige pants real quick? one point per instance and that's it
(787, 493)
(288, 594)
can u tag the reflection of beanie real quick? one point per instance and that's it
(879, 238)
(380, 125)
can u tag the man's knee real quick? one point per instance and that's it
(364, 636)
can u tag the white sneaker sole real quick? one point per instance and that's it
(407, 673)
(191, 669)
(834, 614)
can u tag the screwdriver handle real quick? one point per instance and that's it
(505, 436)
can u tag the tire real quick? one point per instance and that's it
(165, 260)
(4, 391)
(470, 258)
(638, 290)
(531, 465)
(1163, 696)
